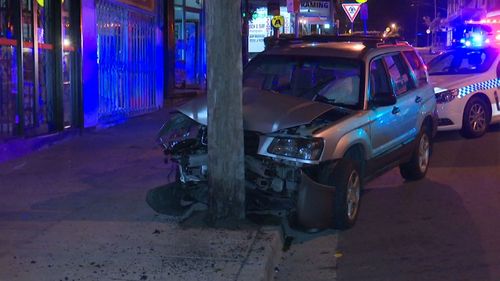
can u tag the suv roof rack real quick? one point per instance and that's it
(370, 41)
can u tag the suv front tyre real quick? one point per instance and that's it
(346, 177)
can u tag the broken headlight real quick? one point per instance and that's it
(301, 148)
(177, 131)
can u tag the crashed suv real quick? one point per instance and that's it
(320, 119)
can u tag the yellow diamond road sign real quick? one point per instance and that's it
(278, 21)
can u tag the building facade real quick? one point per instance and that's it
(80, 63)
(471, 9)
(470, 16)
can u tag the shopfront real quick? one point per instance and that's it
(79, 63)
(127, 58)
(315, 17)
(190, 58)
(38, 67)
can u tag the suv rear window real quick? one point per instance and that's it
(418, 67)
(331, 80)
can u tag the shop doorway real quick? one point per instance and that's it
(189, 58)
(31, 100)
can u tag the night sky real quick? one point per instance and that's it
(384, 12)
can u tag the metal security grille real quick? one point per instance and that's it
(8, 91)
(126, 61)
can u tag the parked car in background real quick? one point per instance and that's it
(320, 119)
(466, 82)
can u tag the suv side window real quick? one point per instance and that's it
(379, 84)
(418, 67)
(400, 76)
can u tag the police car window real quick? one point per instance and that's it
(463, 61)
(418, 67)
(398, 71)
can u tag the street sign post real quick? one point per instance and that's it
(293, 6)
(364, 16)
(273, 8)
(352, 10)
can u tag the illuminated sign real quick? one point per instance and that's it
(361, 1)
(351, 10)
(148, 5)
(315, 8)
(260, 27)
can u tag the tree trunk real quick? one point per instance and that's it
(225, 121)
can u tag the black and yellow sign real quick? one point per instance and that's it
(278, 21)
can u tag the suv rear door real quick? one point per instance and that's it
(408, 99)
(384, 122)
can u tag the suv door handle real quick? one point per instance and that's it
(418, 99)
(396, 110)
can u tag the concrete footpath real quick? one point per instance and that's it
(77, 211)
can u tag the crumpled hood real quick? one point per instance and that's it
(264, 111)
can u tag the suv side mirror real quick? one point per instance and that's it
(384, 99)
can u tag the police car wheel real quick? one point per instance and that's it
(475, 119)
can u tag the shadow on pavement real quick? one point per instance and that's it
(416, 231)
(447, 136)
(452, 150)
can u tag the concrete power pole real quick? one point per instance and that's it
(226, 172)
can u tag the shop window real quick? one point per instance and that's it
(194, 4)
(8, 70)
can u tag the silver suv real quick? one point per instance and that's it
(320, 119)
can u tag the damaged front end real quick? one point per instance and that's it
(280, 168)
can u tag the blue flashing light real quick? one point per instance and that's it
(462, 40)
(468, 43)
(477, 39)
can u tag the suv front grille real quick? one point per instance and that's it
(251, 140)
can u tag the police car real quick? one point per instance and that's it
(467, 86)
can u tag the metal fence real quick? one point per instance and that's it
(126, 61)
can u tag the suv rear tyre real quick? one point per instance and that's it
(417, 167)
(346, 178)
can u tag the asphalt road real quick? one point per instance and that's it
(445, 227)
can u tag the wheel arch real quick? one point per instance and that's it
(484, 98)
(357, 137)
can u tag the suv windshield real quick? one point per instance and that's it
(463, 61)
(330, 80)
